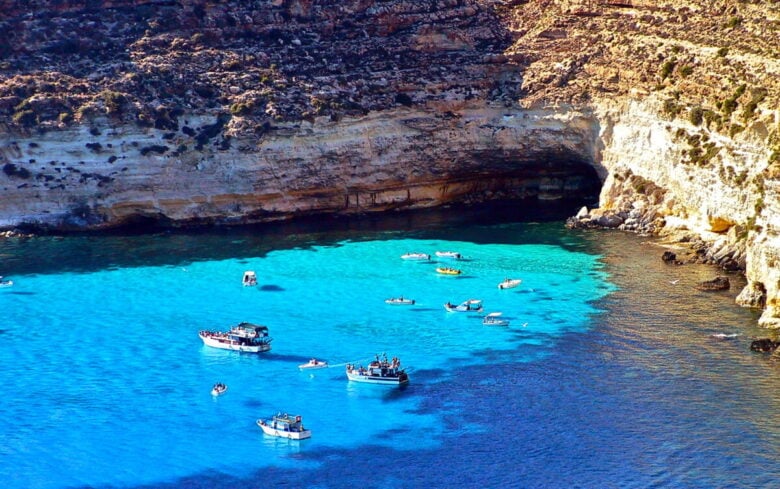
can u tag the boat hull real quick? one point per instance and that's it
(509, 284)
(416, 256)
(496, 322)
(375, 379)
(308, 366)
(448, 254)
(448, 271)
(234, 346)
(292, 435)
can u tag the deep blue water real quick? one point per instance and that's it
(607, 377)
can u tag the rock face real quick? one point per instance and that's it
(243, 111)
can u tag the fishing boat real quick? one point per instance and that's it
(495, 319)
(284, 426)
(245, 337)
(250, 278)
(471, 305)
(448, 271)
(509, 283)
(313, 364)
(400, 301)
(380, 371)
(449, 254)
(416, 256)
(218, 389)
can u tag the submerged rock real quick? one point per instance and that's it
(718, 283)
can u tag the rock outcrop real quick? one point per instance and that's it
(177, 113)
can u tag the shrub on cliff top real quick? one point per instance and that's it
(667, 68)
(696, 116)
(114, 101)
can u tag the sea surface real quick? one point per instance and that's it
(614, 372)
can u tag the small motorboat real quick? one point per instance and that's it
(509, 283)
(416, 256)
(218, 389)
(284, 426)
(400, 301)
(250, 278)
(495, 319)
(448, 271)
(449, 254)
(470, 305)
(313, 364)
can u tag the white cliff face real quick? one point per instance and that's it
(103, 175)
(725, 200)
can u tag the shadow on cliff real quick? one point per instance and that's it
(131, 248)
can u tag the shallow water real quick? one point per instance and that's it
(608, 375)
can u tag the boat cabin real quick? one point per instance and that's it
(250, 278)
(286, 422)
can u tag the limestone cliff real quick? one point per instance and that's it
(245, 111)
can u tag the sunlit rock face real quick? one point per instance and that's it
(200, 112)
(105, 175)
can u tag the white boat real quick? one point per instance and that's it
(250, 278)
(470, 305)
(509, 283)
(313, 364)
(6, 283)
(400, 301)
(449, 254)
(218, 389)
(284, 426)
(416, 256)
(244, 337)
(380, 371)
(495, 319)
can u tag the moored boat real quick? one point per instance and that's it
(284, 426)
(449, 254)
(250, 278)
(448, 271)
(416, 256)
(471, 305)
(245, 337)
(509, 283)
(380, 371)
(313, 364)
(400, 301)
(495, 319)
(218, 389)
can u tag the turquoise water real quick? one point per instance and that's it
(593, 384)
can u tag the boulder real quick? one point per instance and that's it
(764, 345)
(718, 283)
(669, 257)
